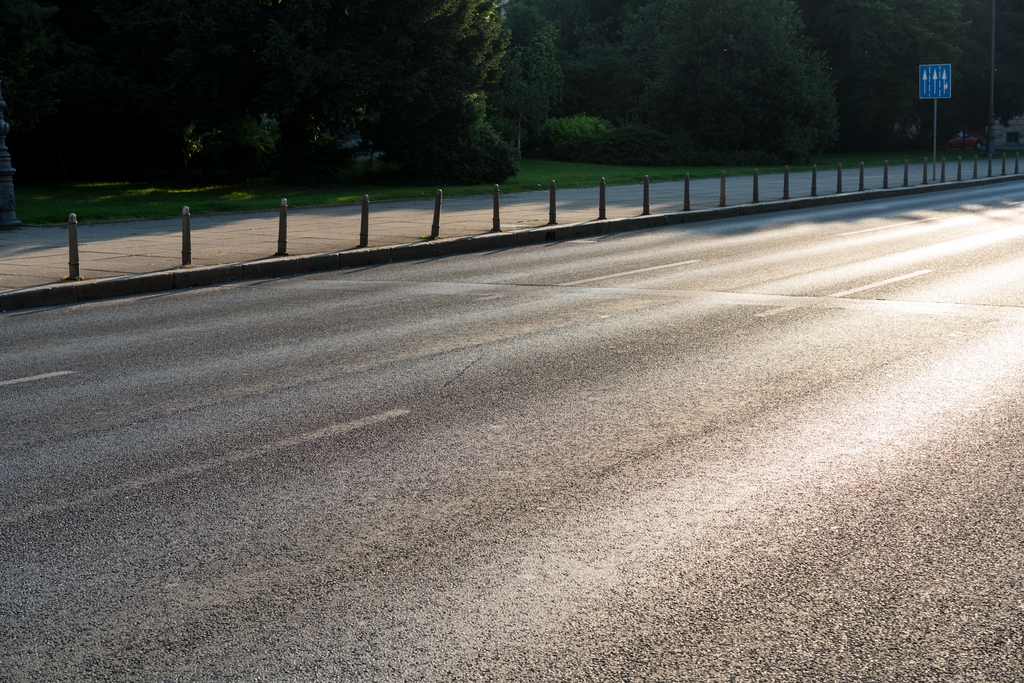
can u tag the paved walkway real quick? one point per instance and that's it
(39, 255)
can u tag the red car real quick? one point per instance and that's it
(969, 142)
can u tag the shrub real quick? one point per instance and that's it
(477, 155)
(569, 136)
(632, 146)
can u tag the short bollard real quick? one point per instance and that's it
(186, 237)
(906, 172)
(602, 213)
(647, 196)
(73, 248)
(364, 223)
(885, 175)
(686, 192)
(785, 182)
(990, 166)
(552, 216)
(721, 190)
(839, 178)
(860, 186)
(1016, 163)
(814, 180)
(496, 218)
(755, 186)
(1004, 164)
(435, 227)
(924, 181)
(959, 168)
(942, 178)
(282, 229)
(975, 167)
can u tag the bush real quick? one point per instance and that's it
(642, 146)
(569, 136)
(477, 155)
(632, 146)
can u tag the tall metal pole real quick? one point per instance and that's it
(990, 133)
(8, 220)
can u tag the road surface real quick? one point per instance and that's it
(782, 447)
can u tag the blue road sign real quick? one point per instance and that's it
(934, 81)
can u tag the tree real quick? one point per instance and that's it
(969, 106)
(875, 47)
(426, 106)
(28, 45)
(532, 80)
(738, 75)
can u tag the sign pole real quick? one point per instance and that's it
(934, 83)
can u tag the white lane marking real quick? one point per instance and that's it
(232, 458)
(33, 378)
(775, 311)
(894, 225)
(882, 283)
(628, 272)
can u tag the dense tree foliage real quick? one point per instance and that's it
(737, 75)
(244, 86)
(875, 47)
(455, 89)
(531, 83)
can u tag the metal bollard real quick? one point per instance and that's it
(647, 196)
(959, 168)
(435, 227)
(755, 186)
(975, 167)
(990, 166)
(906, 172)
(924, 181)
(686, 192)
(496, 219)
(860, 186)
(839, 178)
(602, 212)
(814, 180)
(885, 175)
(73, 248)
(552, 217)
(1016, 163)
(721, 191)
(942, 178)
(364, 223)
(1004, 163)
(785, 182)
(186, 237)
(282, 230)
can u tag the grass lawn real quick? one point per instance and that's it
(51, 204)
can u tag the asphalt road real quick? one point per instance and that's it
(782, 448)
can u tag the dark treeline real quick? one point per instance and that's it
(457, 90)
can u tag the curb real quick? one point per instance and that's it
(147, 283)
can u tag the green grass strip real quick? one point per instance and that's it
(51, 203)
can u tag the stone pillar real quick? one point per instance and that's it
(8, 220)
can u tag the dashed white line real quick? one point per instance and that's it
(231, 458)
(894, 225)
(882, 283)
(628, 272)
(33, 378)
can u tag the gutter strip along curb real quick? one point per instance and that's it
(63, 293)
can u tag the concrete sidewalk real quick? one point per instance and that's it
(32, 256)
